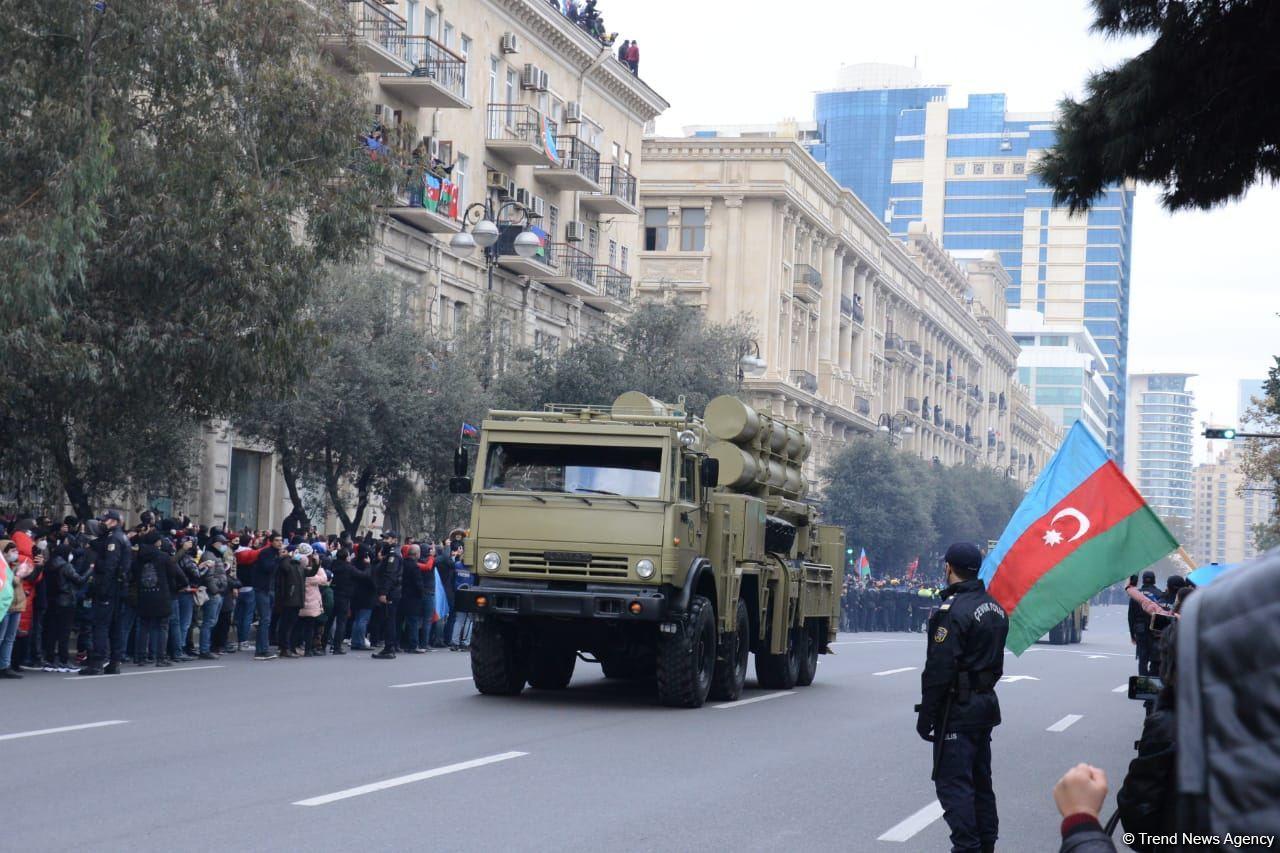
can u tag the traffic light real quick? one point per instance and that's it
(848, 554)
(1220, 432)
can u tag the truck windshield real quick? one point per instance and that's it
(575, 469)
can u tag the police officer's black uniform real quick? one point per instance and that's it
(112, 558)
(1140, 626)
(958, 704)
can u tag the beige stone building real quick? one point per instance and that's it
(528, 112)
(858, 331)
(1226, 508)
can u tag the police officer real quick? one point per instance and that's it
(112, 558)
(958, 706)
(1140, 625)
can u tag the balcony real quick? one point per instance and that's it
(911, 405)
(948, 424)
(805, 380)
(808, 283)
(960, 383)
(578, 169)
(913, 347)
(846, 306)
(991, 398)
(424, 204)
(991, 441)
(437, 76)
(521, 135)
(1000, 446)
(612, 289)
(575, 271)
(937, 416)
(617, 192)
(540, 267)
(895, 348)
(376, 41)
(928, 360)
(862, 406)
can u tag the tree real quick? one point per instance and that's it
(884, 499)
(1195, 112)
(171, 173)
(1260, 460)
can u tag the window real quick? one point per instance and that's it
(428, 23)
(688, 473)
(411, 17)
(459, 317)
(979, 168)
(493, 79)
(625, 253)
(1053, 340)
(1019, 168)
(997, 168)
(465, 50)
(449, 33)
(553, 222)
(958, 169)
(626, 160)
(655, 229)
(616, 152)
(512, 82)
(593, 241)
(613, 253)
(693, 229)
(631, 471)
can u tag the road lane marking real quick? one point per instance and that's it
(429, 683)
(912, 825)
(373, 787)
(144, 672)
(1065, 723)
(1095, 657)
(754, 699)
(1123, 688)
(60, 729)
(1010, 679)
(894, 671)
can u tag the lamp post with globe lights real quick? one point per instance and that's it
(485, 233)
(895, 427)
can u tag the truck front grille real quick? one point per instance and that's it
(597, 566)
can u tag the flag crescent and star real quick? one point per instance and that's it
(1043, 566)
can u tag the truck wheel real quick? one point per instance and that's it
(779, 672)
(498, 664)
(687, 659)
(808, 637)
(551, 666)
(731, 661)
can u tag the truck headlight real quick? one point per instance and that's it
(644, 568)
(492, 560)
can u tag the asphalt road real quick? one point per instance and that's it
(349, 753)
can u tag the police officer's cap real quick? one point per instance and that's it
(111, 514)
(965, 556)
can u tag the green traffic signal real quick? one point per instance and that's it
(1224, 432)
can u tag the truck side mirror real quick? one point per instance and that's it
(460, 485)
(460, 462)
(710, 472)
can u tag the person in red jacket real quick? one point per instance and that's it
(633, 57)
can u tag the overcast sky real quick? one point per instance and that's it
(1199, 301)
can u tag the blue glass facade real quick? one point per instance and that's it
(863, 131)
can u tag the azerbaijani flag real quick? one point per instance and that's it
(432, 200)
(863, 565)
(549, 140)
(1083, 526)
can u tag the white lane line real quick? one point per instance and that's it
(1065, 723)
(1010, 679)
(144, 672)
(912, 825)
(373, 787)
(755, 699)
(1123, 688)
(894, 671)
(60, 729)
(429, 683)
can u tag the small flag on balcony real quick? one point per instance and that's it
(449, 199)
(434, 186)
(469, 431)
(543, 239)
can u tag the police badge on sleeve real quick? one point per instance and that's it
(940, 634)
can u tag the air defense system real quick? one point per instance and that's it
(661, 546)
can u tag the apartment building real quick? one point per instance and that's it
(534, 124)
(1227, 508)
(858, 332)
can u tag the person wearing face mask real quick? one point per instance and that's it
(958, 705)
(113, 559)
(12, 600)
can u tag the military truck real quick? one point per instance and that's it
(662, 546)
(1071, 629)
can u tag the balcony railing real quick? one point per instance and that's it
(913, 347)
(846, 306)
(948, 425)
(960, 383)
(547, 255)
(911, 404)
(521, 123)
(428, 61)
(893, 343)
(937, 417)
(612, 284)
(617, 191)
(805, 274)
(575, 264)
(991, 398)
(577, 155)
(862, 406)
(928, 360)
(378, 24)
(857, 311)
(805, 380)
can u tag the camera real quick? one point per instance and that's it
(1145, 688)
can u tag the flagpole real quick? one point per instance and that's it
(1186, 558)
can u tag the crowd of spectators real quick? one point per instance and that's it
(588, 17)
(89, 597)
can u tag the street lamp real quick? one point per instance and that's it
(896, 425)
(748, 363)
